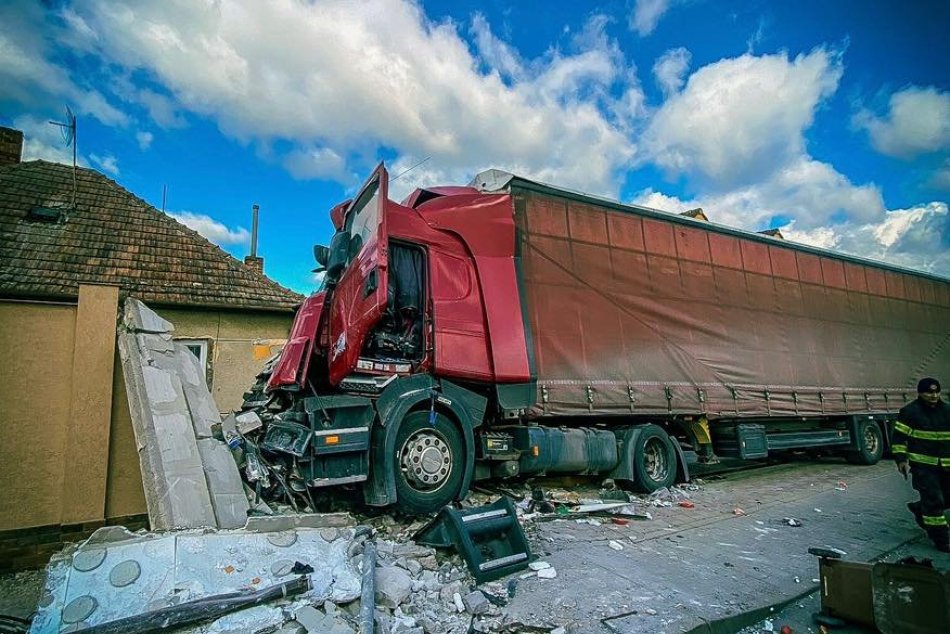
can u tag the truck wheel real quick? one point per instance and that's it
(870, 442)
(654, 460)
(430, 463)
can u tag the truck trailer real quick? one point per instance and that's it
(511, 328)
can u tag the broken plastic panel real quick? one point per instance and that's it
(489, 538)
(287, 437)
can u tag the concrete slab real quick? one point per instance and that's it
(190, 479)
(108, 578)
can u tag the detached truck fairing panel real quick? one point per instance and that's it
(639, 312)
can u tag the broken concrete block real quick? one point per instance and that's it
(138, 317)
(224, 484)
(189, 481)
(303, 520)
(393, 586)
(475, 603)
(448, 591)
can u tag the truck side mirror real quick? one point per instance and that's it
(336, 255)
(322, 255)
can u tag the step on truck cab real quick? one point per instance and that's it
(509, 328)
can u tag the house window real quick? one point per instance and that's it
(199, 348)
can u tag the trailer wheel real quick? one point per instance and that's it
(870, 442)
(430, 463)
(654, 460)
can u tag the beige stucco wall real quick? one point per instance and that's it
(67, 450)
(240, 343)
(35, 382)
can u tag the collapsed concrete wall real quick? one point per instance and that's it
(190, 478)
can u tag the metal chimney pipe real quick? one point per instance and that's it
(255, 209)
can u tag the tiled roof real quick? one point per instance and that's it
(113, 237)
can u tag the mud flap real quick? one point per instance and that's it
(489, 538)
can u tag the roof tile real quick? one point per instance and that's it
(114, 237)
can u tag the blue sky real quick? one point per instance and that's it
(830, 120)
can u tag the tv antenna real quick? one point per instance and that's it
(406, 171)
(68, 130)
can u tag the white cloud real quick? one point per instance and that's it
(28, 78)
(211, 229)
(821, 237)
(917, 238)
(740, 119)
(670, 68)
(43, 141)
(663, 202)
(941, 178)
(495, 53)
(317, 163)
(107, 163)
(144, 139)
(646, 15)
(355, 77)
(811, 192)
(163, 110)
(917, 122)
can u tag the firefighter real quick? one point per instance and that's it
(921, 447)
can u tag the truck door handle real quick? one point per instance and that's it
(371, 284)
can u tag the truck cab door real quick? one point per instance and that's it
(360, 296)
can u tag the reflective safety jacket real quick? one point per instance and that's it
(922, 434)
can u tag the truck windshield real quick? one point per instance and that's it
(363, 219)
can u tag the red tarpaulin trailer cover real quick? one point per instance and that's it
(633, 310)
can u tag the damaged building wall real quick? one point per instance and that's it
(239, 342)
(42, 500)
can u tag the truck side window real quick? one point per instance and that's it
(363, 218)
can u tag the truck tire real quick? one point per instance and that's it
(429, 464)
(870, 443)
(654, 460)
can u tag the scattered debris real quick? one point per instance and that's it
(547, 573)
(615, 545)
(686, 504)
(791, 521)
(489, 538)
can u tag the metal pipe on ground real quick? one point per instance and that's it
(368, 597)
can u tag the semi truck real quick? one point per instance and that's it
(512, 328)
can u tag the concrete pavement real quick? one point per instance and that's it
(690, 567)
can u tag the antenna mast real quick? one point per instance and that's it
(69, 138)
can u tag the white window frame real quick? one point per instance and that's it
(203, 346)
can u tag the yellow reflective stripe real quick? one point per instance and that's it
(922, 459)
(934, 520)
(930, 435)
(898, 448)
(920, 433)
(901, 427)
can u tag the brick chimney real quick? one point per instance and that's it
(11, 146)
(254, 262)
